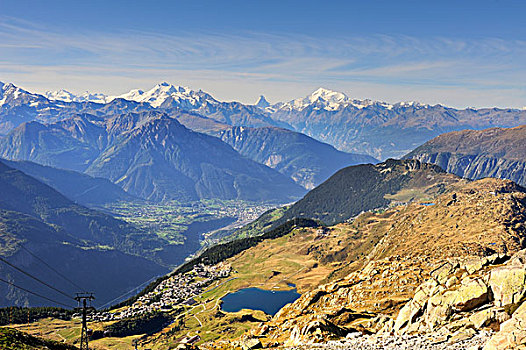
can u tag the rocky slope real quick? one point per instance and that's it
(150, 155)
(495, 152)
(307, 161)
(443, 270)
(445, 273)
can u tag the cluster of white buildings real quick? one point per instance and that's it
(177, 290)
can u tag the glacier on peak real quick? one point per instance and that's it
(322, 98)
(330, 100)
(66, 96)
(164, 91)
(328, 95)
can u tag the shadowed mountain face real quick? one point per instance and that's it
(366, 187)
(150, 155)
(307, 161)
(24, 194)
(87, 245)
(80, 188)
(495, 152)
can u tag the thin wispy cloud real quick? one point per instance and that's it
(283, 66)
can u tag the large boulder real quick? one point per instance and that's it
(252, 343)
(316, 330)
(471, 294)
(416, 306)
(512, 334)
(488, 316)
(508, 284)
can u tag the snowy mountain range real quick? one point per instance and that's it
(165, 94)
(156, 96)
(66, 96)
(376, 128)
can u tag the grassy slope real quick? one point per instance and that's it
(11, 339)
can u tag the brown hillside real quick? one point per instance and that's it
(476, 154)
(477, 219)
(501, 142)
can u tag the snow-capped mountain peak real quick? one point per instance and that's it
(66, 96)
(328, 100)
(132, 95)
(10, 93)
(180, 95)
(330, 96)
(408, 104)
(319, 99)
(61, 95)
(2, 93)
(10, 88)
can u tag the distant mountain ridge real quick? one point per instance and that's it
(79, 187)
(380, 129)
(307, 161)
(150, 155)
(376, 128)
(495, 152)
(66, 96)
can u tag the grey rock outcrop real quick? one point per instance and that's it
(490, 293)
(475, 154)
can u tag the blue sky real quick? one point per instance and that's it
(460, 53)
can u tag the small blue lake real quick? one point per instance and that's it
(268, 301)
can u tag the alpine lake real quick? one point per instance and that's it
(268, 301)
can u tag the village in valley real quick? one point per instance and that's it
(177, 290)
(172, 220)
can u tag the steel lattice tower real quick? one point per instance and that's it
(84, 297)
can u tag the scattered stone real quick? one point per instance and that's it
(469, 340)
(474, 265)
(252, 343)
(453, 280)
(463, 334)
(443, 273)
